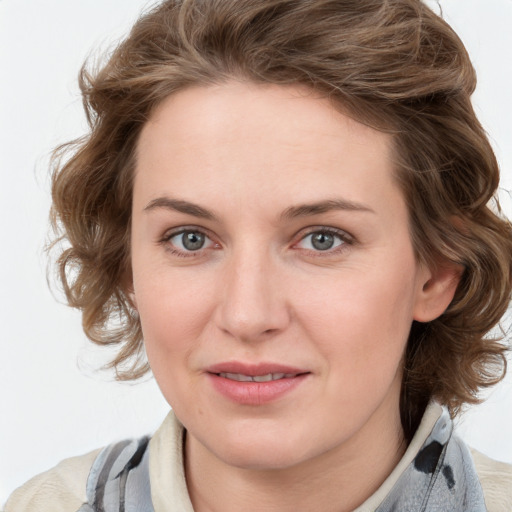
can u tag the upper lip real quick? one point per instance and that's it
(252, 369)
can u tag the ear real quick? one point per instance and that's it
(436, 288)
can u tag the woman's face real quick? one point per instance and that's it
(273, 273)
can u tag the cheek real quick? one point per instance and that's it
(174, 309)
(174, 314)
(361, 322)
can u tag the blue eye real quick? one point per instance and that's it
(190, 241)
(321, 241)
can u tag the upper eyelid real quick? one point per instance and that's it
(165, 240)
(300, 235)
(347, 242)
(172, 232)
(345, 235)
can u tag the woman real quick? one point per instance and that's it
(288, 202)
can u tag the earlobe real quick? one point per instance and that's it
(436, 291)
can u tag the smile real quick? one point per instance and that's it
(255, 384)
(256, 378)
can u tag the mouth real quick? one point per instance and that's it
(255, 385)
(262, 372)
(240, 377)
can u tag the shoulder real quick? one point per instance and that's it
(496, 480)
(62, 488)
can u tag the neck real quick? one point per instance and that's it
(336, 481)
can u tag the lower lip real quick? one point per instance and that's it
(255, 393)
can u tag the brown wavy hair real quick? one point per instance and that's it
(392, 64)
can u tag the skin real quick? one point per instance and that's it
(258, 290)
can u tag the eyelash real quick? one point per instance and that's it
(345, 239)
(181, 231)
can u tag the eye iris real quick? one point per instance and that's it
(192, 240)
(322, 241)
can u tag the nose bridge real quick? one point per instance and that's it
(253, 302)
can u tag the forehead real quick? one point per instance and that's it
(239, 138)
(237, 109)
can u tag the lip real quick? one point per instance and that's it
(253, 369)
(255, 393)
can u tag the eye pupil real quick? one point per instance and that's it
(322, 241)
(192, 240)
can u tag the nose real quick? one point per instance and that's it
(252, 304)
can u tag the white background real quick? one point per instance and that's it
(53, 404)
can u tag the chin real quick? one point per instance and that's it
(263, 449)
(257, 459)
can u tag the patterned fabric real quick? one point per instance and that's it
(441, 478)
(119, 479)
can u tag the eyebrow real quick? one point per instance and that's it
(304, 210)
(293, 212)
(180, 206)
